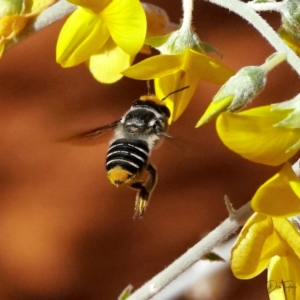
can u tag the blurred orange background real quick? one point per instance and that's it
(65, 231)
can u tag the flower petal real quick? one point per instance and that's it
(283, 274)
(289, 234)
(252, 135)
(82, 35)
(2, 46)
(255, 246)
(276, 196)
(205, 67)
(94, 5)
(177, 102)
(10, 26)
(37, 6)
(154, 67)
(275, 287)
(214, 109)
(283, 278)
(106, 66)
(291, 276)
(126, 22)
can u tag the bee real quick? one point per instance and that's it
(135, 135)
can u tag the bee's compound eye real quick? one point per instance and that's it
(119, 176)
(154, 123)
(158, 125)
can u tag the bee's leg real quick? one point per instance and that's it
(144, 190)
(140, 201)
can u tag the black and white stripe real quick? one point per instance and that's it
(130, 155)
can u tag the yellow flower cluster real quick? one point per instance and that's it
(105, 34)
(269, 135)
(14, 16)
(269, 240)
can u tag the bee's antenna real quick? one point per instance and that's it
(179, 90)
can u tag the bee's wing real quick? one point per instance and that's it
(98, 132)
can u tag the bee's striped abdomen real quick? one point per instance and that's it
(125, 159)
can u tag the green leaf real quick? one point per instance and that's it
(212, 257)
(157, 41)
(126, 292)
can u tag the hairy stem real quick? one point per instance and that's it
(268, 6)
(246, 12)
(274, 60)
(216, 237)
(187, 6)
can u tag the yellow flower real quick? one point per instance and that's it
(14, 16)
(174, 71)
(267, 135)
(269, 239)
(273, 243)
(105, 34)
(280, 195)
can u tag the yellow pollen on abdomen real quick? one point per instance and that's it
(119, 176)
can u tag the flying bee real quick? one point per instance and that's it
(135, 135)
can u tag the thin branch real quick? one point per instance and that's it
(268, 6)
(272, 61)
(50, 15)
(194, 254)
(216, 237)
(210, 272)
(187, 6)
(243, 10)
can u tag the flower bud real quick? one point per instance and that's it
(290, 16)
(11, 7)
(178, 41)
(236, 93)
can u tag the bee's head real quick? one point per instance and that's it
(144, 122)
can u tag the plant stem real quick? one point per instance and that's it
(273, 60)
(263, 27)
(220, 234)
(216, 237)
(187, 6)
(268, 6)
